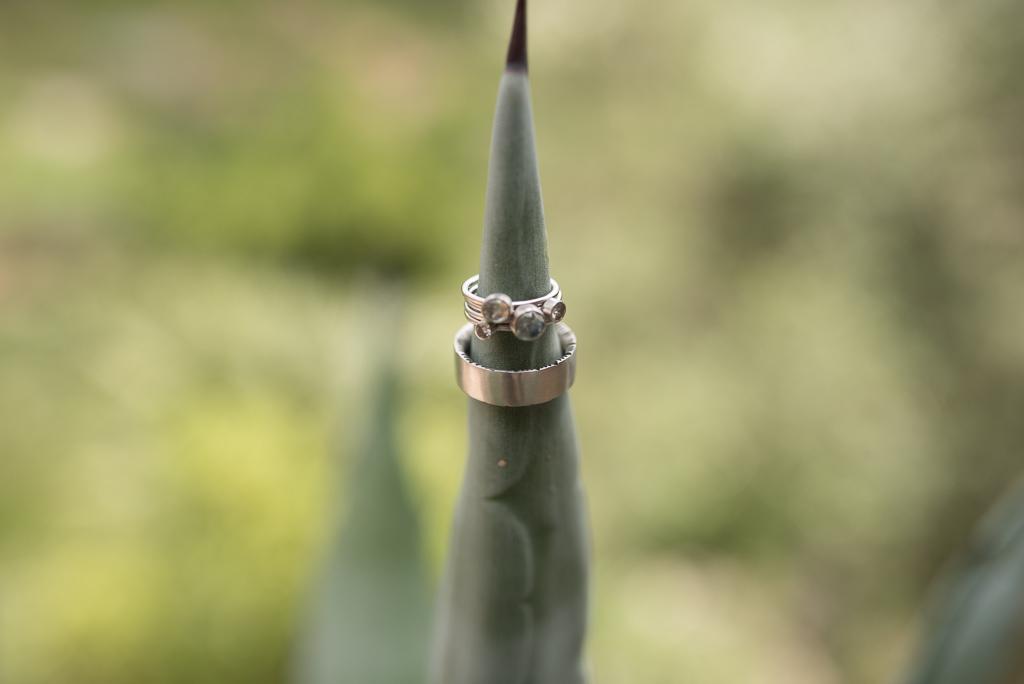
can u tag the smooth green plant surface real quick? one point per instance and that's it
(368, 614)
(976, 629)
(513, 601)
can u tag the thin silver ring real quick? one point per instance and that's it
(527, 319)
(476, 302)
(515, 388)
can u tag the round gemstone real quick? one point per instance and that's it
(529, 323)
(497, 309)
(482, 332)
(555, 311)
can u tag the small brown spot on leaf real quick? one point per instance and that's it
(503, 463)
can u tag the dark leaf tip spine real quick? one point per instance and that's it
(517, 45)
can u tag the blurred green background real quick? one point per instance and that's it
(792, 234)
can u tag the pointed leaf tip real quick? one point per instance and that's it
(517, 45)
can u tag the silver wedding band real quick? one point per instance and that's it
(515, 388)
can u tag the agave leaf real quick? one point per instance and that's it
(513, 600)
(369, 617)
(976, 634)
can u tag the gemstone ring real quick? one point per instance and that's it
(526, 319)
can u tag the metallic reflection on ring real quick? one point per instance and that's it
(497, 312)
(515, 388)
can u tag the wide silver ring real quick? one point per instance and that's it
(526, 319)
(515, 388)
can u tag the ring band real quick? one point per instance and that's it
(515, 388)
(526, 319)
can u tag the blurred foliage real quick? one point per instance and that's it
(791, 235)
